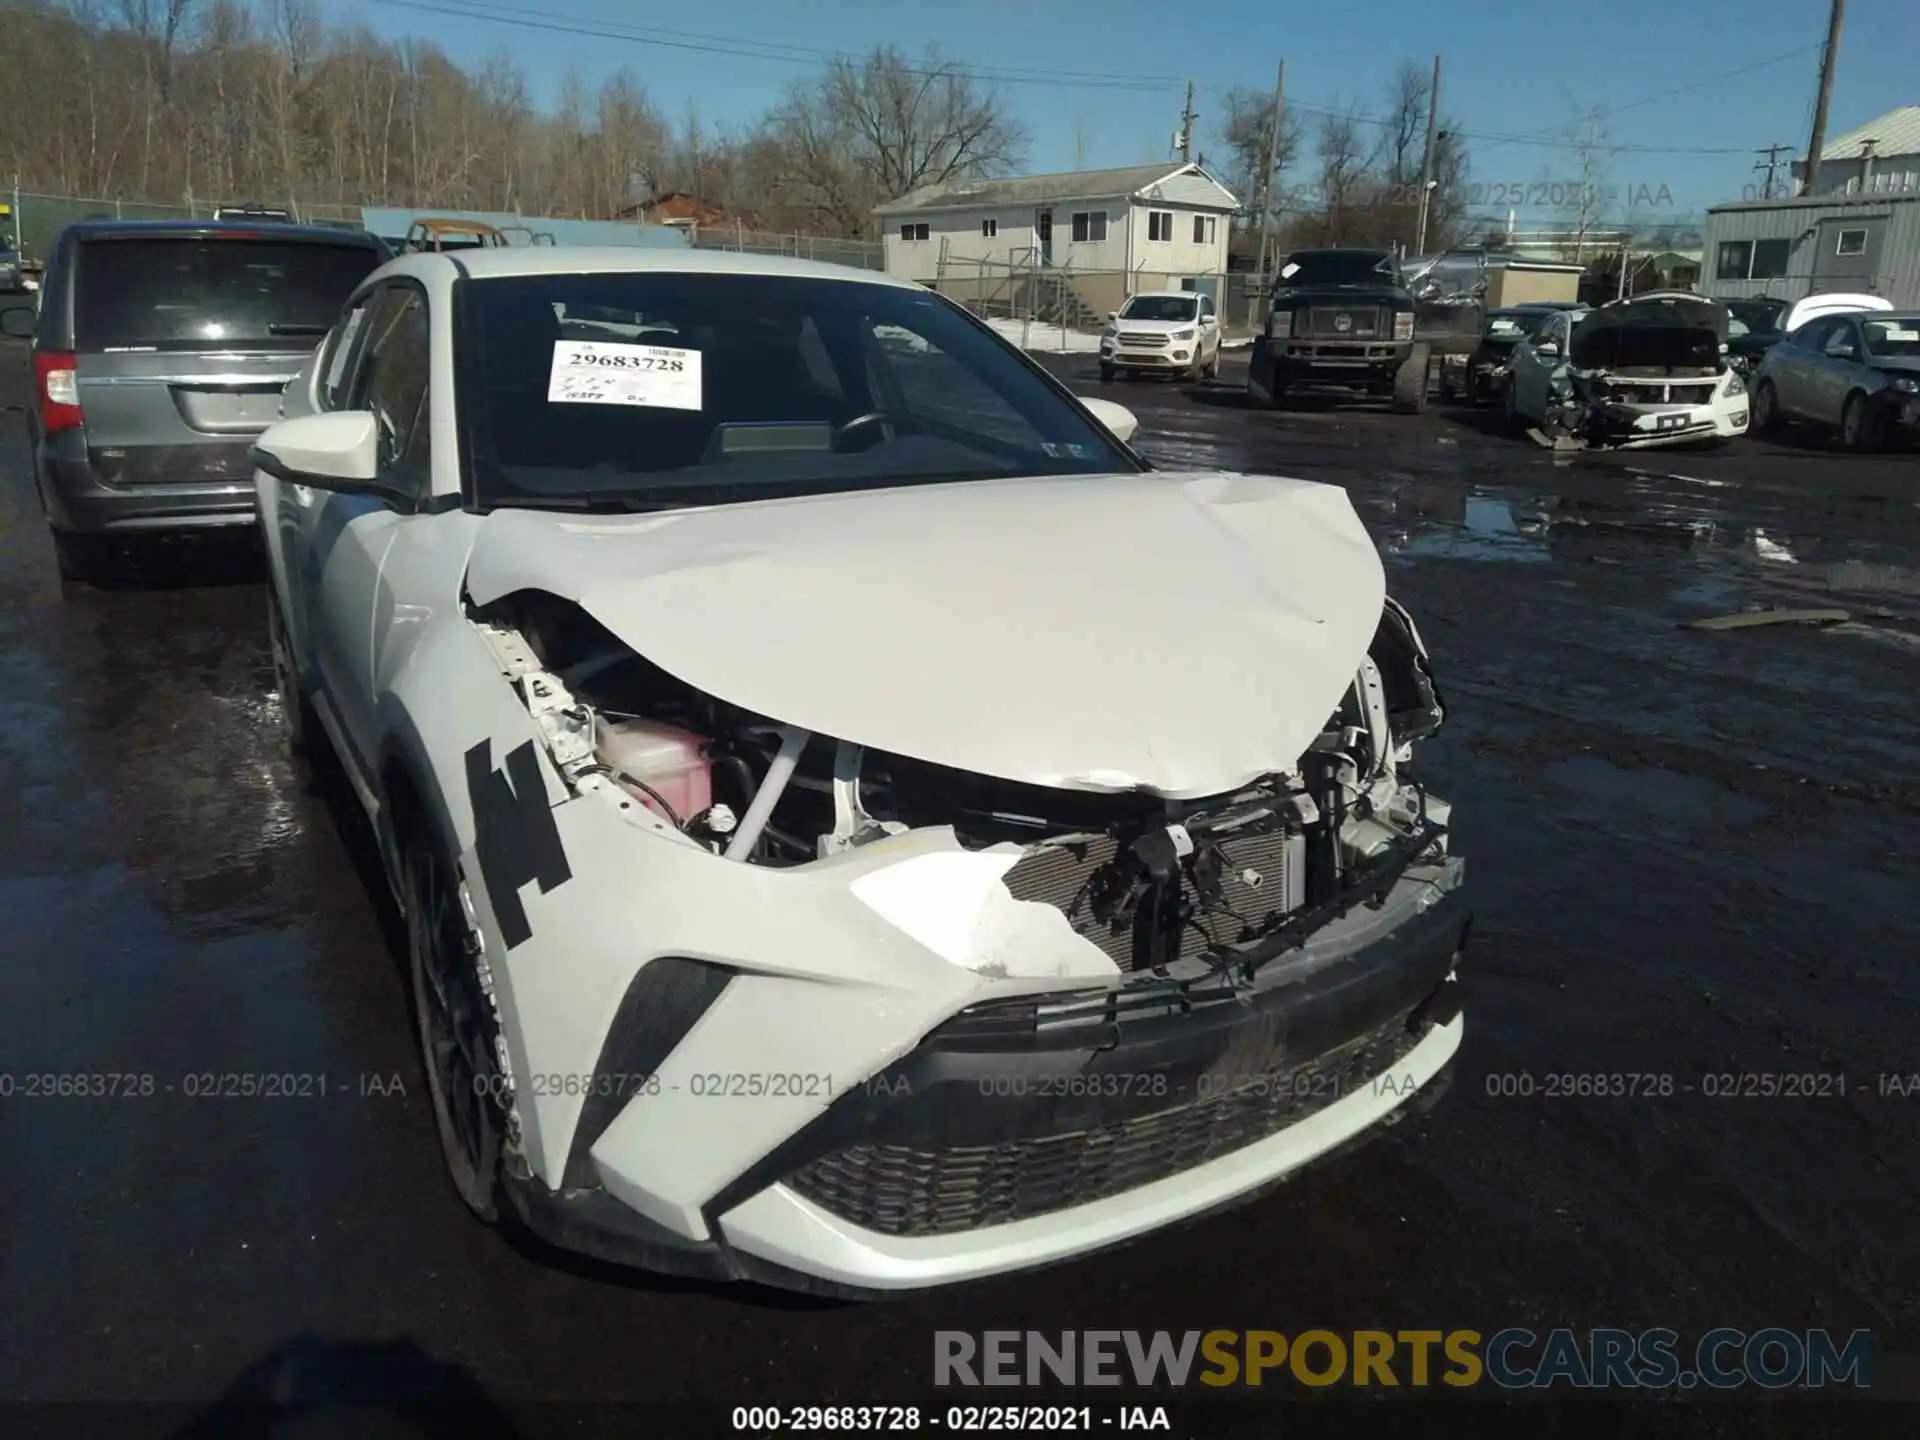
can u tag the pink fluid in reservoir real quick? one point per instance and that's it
(663, 757)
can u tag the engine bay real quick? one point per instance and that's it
(1154, 883)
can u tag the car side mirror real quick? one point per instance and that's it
(1120, 421)
(1113, 317)
(1547, 347)
(338, 451)
(1208, 321)
(20, 321)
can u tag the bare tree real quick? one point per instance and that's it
(1346, 183)
(871, 130)
(1403, 138)
(1246, 128)
(1592, 190)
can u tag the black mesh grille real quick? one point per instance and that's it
(1260, 877)
(898, 1189)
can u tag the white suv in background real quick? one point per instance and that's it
(1171, 331)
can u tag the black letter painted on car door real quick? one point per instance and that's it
(514, 834)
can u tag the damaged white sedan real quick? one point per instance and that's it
(1639, 373)
(858, 827)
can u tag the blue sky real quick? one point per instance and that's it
(1509, 69)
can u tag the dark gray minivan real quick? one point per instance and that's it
(160, 352)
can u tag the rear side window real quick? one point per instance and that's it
(196, 294)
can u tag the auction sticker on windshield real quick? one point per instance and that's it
(599, 372)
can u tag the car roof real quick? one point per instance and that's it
(523, 260)
(209, 229)
(1158, 294)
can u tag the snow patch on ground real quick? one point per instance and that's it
(1047, 339)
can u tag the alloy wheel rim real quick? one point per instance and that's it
(459, 1064)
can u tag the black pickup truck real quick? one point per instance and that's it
(1348, 319)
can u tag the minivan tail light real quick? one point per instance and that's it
(59, 387)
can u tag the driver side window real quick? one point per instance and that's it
(392, 383)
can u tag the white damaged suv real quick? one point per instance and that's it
(858, 827)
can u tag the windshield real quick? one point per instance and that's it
(1159, 307)
(192, 293)
(1758, 319)
(1338, 267)
(675, 388)
(1897, 335)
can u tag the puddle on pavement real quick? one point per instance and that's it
(1720, 594)
(1659, 799)
(1487, 528)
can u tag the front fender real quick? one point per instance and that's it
(836, 968)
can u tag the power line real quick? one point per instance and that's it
(1605, 111)
(708, 44)
(1070, 79)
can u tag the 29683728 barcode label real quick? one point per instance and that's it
(596, 372)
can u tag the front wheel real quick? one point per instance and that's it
(1410, 382)
(1862, 428)
(1515, 420)
(1106, 373)
(457, 1029)
(1766, 409)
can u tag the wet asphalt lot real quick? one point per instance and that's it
(1693, 855)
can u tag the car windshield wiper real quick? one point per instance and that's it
(282, 329)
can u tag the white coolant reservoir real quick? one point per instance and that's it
(664, 759)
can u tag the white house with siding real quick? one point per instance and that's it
(1881, 157)
(1112, 232)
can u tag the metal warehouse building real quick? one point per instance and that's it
(1816, 244)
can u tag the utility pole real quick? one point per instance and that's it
(1273, 158)
(1426, 164)
(1828, 54)
(1186, 127)
(1770, 164)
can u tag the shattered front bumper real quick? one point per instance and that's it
(1616, 425)
(1019, 1124)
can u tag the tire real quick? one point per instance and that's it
(1516, 422)
(1410, 382)
(1767, 419)
(456, 1027)
(1863, 429)
(1106, 373)
(1212, 372)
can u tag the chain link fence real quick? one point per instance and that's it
(37, 218)
(1021, 289)
(860, 254)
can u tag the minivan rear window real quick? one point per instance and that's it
(196, 293)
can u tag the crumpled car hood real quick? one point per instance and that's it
(1179, 633)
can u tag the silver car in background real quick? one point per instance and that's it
(1855, 372)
